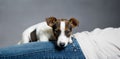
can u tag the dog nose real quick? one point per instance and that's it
(62, 44)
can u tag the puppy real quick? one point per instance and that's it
(59, 30)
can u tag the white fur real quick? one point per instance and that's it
(62, 38)
(43, 32)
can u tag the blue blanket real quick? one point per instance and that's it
(42, 50)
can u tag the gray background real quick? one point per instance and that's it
(17, 15)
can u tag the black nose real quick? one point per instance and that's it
(62, 44)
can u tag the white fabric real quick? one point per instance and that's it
(100, 43)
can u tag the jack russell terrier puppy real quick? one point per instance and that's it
(59, 30)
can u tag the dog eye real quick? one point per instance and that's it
(57, 31)
(67, 31)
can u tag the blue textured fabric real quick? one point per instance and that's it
(42, 50)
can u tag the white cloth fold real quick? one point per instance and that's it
(100, 43)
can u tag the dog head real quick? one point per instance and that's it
(62, 29)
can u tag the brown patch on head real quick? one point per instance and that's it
(56, 29)
(68, 28)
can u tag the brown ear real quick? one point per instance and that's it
(50, 21)
(74, 22)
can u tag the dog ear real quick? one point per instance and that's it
(50, 21)
(74, 22)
